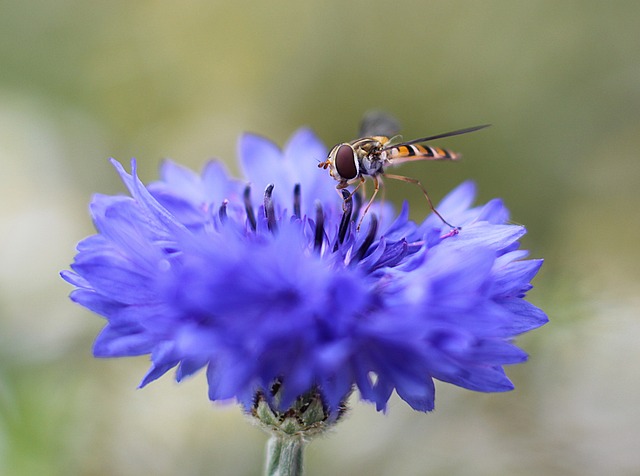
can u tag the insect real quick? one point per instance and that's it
(351, 162)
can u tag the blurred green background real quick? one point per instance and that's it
(560, 82)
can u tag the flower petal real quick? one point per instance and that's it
(283, 286)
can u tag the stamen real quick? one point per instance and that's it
(222, 212)
(249, 208)
(346, 216)
(296, 200)
(319, 235)
(357, 205)
(269, 211)
(364, 247)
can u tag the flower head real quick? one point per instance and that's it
(268, 282)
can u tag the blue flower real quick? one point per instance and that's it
(268, 281)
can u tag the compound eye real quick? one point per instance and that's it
(346, 162)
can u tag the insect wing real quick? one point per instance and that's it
(377, 123)
(414, 150)
(443, 135)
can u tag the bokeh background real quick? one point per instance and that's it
(560, 82)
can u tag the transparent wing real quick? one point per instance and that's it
(441, 136)
(378, 123)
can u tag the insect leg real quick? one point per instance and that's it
(376, 189)
(402, 178)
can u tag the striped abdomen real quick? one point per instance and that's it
(419, 152)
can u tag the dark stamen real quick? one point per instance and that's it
(222, 212)
(358, 203)
(319, 235)
(364, 247)
(269, 212)
(346, 216)
(296, 200)
(249, 208)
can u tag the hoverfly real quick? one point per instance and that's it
(351, 162)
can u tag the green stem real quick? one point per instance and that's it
(284, 455)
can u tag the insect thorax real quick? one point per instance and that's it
(371, 156)
(371, 164)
